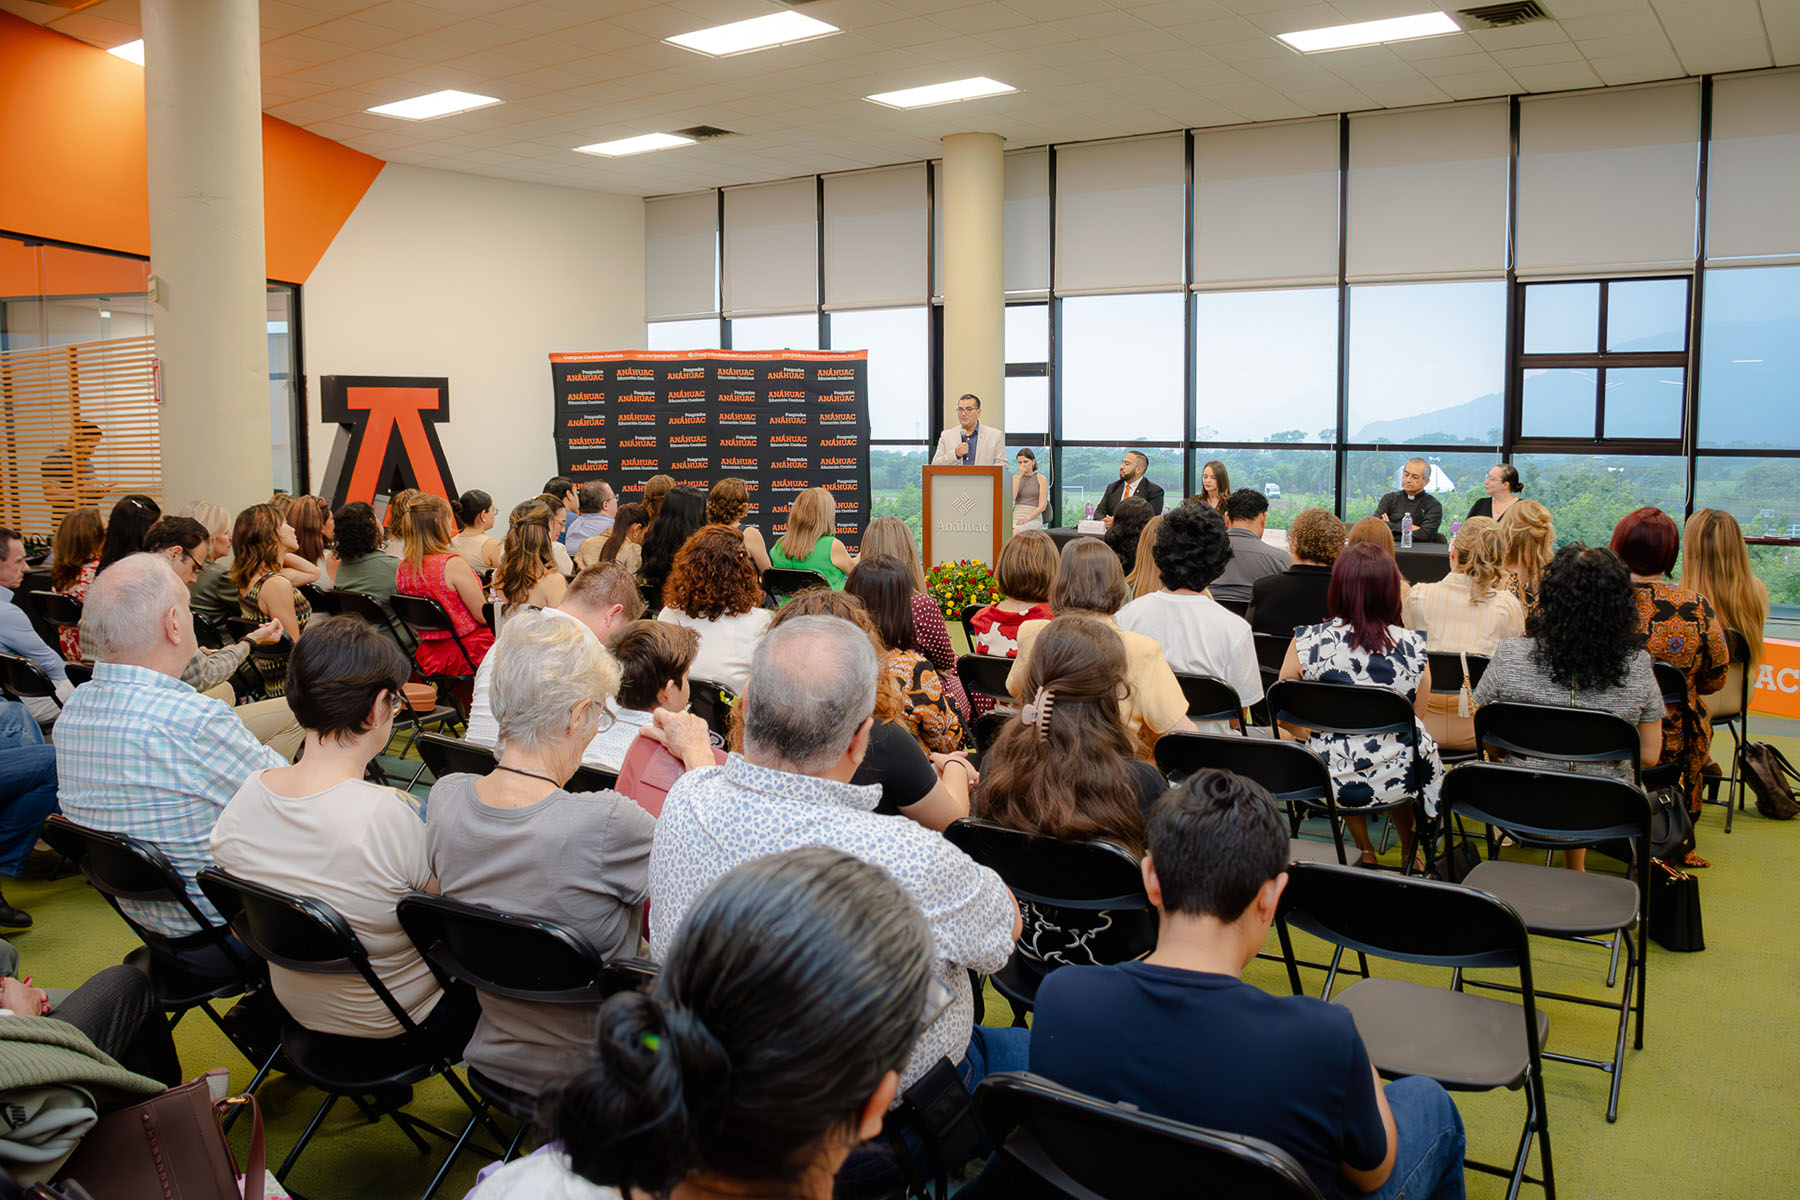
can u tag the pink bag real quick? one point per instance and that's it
(649, 771)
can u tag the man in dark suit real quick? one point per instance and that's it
(1131, 482)
(1412, 499)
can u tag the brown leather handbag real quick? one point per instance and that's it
(169, 1147)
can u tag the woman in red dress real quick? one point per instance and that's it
(1026, 569)
(432, 570)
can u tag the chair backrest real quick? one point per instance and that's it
(1734, 697)
(1584, 735)
(1350, 709)
(987, 729)
(1211, 699)
(1289, 770)
(56, 608)
(1072, 1145)
(450, 756)
(1447, 671)
(37, 579)
(591, 779)
(1548, 804)
(210, 632)
(1240, 607)
(1404, 918)
(421, 614)
(711, 702)
(21, 679)
(985, 675)
(782, 582)
(1671, 680)
(240, 627)
(370, 609)
(1271, 650)
(325, 601)
(518, 957)
(966, 616)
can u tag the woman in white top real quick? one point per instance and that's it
(707, 1086)
(1470, 611)
(475, 513)
(715, 589)
(318, 829)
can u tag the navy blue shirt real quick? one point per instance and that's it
(1214, 1051)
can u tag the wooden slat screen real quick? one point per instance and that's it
(45, 396)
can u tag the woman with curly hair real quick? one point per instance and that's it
(1530, 537)
(1468, 611)
(358, 562)
(394, 523)
(1198, 635)
(726, 505)
(1143, 578)
(75, 559)
(1122, 536)
(715, 589)
(884, 585)
(1024, 572)
(527, 576)
(1582, 649)
(1279, 604)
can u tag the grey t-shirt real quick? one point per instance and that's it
(581, 859)
(1251, 559)
(1514, 674)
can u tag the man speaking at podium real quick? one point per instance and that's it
(971, 444)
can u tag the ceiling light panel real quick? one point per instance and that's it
(943, 93)
(640, 144)
(758, 33)
(131, 52)
(1371, 33)
(434, 104)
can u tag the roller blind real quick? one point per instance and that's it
(771, 247)
(1428, 193)
(1266, 204)
(1028, 221)
(1120, 210)
(681, 274)
(1607, 180)
(875, 237)
(1753, 169)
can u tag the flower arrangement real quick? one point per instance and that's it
(955, 585)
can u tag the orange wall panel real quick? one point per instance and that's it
(27, 271)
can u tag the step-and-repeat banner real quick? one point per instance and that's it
(781, 421)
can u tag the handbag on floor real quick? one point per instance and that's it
(1767, 772)
(169, 1147)
(1671, 825)
(1675, 908)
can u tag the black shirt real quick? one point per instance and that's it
(1427, 514)
(1280, 603)
(896, 762)
(1483, 507)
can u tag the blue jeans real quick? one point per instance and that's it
(993, 1049)
(1428, 1162)
(17, 726)
(27, 796)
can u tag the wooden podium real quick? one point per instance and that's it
(963, 517)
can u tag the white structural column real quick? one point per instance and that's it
(203, 135)
(974, 274)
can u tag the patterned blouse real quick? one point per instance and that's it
(70, 639)
(1374, 769)
(934, 640)
(1681, 629)
(271, 661)
(930, 714)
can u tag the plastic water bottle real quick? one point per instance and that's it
(1090, 512)
(1455, 527)
(1406, 532)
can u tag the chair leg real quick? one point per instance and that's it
(1612, 968)
(1618, 1063)
(1543, 1134)
(512, 1147)
(262, 1073)
(437, 1180)
(287, 1164)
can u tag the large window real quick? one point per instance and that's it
(1265, 365)
(1604, 361)
(1121, 367)
(899, 366)
(793, 331)
(1750, 358)
(894, 473)
(1427, 362)
(699, 334)
(1588, 494)
(1455, 480)
(1293, 480)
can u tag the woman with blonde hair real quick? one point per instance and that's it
(431, 570)
(810, 543)
(394, 522)
(1468, 611)
(75, 557)
(1375, 532)
(527, 576)
(893, 537)
(267, 572)
(1529, 535)
(213, 595)
(217, 521)
(726, 505)
(655, 488)
(1718, 567)
(1144, 577)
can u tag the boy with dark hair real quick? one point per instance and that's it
(1182, 1036)
(654, 659)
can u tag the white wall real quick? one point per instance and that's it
(479, 280)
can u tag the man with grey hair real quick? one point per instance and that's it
(808, 708)
(1412, 499)
(139, 752)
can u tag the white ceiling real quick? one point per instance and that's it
(579, 71)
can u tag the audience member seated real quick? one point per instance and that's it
(682, 514)
(1126, 528)
(17, 636)
(891, 536)
(431, 571)
(884, 585)
(653, 658)
(1066, 766)
(181, 541)
(527, 576)
(27, 796)
(138, 751)
(1088, 582)
(115, 1008)
(1281, 603)
(598, 506)
(1215, 485)
(1413, 500)
(715, 589)
(474, 542)
(1503, 488)
(562, 489)
(808, 712)
(1530, 537)
(213, 595)
(810, 543)
(1679, 627)
(1198, 635)
(1469, 612)
(319, 829)
(1582, 649)
(74, 558)
(931, 789)
(1365, 643)
(1246, 518)
(1182, 1036)
(655, 488)
(1024, 573)
(1143, 578)
(602, 601)
(362, 565)
(516, 841)
(280, 501)
(623, 543)
(726, 505)
(314, 535)
(130, 520)
(559, 519)
(1375, 532)
(266, 572)
(394, 522)
(708, 1085)
(1717, 566)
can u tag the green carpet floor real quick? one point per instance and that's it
(1702, 1112)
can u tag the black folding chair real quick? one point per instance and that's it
(210, 632)
(521, 958)
(1052, 1141)
(125, 868)
(1467, 1043)
(1082, 903)
(54, 608)
(1353, 710)
(324, 601)
(1211, 699)
(987, 729)
(782, 582)
(37, 579)
(1446, 680)
(1293, 774)
(1240, 607)
(451, 756)
(1671, 680)
(22, 679)
(376, 613)
(307, 935)
(985, 675)
(1271, 653)
(1729, 709)
(966, 618)
(420, 615)
(1575, 905)
(712, 702)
